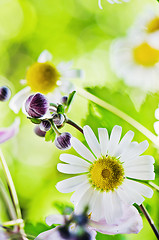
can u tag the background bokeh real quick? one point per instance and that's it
(71, 30)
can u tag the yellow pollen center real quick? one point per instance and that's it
(145, 55)
(153, 25)
(42, 77)
(106, 174)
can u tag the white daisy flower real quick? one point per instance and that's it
(42, 76)
(147, 24)
(136, 62)
(156, 124)
(108, 173)
(112, 2)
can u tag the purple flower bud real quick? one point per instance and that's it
(39, 132)
(64, 100)
(63, 141)
(45, 125)
(5, 94)
(36, 105)
(58, 119)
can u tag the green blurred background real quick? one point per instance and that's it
(71, 30)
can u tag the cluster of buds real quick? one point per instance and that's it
(49, 118)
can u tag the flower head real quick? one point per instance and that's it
(42, 76)
(108, 175)
(136, 62)
(36, 105)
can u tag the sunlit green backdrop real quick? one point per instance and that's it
(71, 30)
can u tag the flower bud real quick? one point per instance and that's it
(63, 141)
(39, 132)
(5, 94)
(58, 119)
(36, 105)
(45, 125)
(64, 100)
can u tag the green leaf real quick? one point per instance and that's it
(36, 229)
(70, 99)
(35, 120)
(60, 109)
(50, 135)
(63, 208)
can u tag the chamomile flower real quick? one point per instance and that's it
(147, 25)
(42, 76)
(108, 174)
(136, 62)
(112, 2)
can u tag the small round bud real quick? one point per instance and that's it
(39, 132)
(63, 141)
(58, 119)
(36, 105)
(64, 100)
(5, 94)
(45, 125)
(64, 232)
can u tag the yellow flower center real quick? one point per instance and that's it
(106, 174)
(145, 55)
(153, 25)
(42, 77)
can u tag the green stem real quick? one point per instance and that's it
(55, 128)
(120, 114)
(13, 223)
(10, 186)
(70, 122)
(154, 186)
(7, 201)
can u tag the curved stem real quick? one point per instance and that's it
(154, 186)
(150, 221)
(70, 122)
(10, 185)
(120, 114)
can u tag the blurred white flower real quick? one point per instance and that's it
(108, 175)
(42, 76)
(147, 25)
(156, 124)
(136, 62)
(112, 2)
(9, 132)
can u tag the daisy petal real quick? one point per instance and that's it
(92, 141)
(76, 196)
(139, 168)
(103, 139)
(7, 133)
(112, 207)
(71, 169)
(84, 201)
(141, 188)
(81, 149)
(49, 235)
(124, 143)
(141, 175)
(132, 194)
(68, 158)
(17, 101)
(156, 127)
(98, 212)
(73, 73)
(114, 140)
(70, 184)
(45, 56)
(140, 161)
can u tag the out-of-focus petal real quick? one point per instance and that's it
(7, 133)
(17, 101)
(45, 56)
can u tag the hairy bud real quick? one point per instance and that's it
(58, 119)
(39, 132)
(45, 125)
(5, 94)
(36, 105)
(63, 141)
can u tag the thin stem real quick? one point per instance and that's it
(120, 114)
(70, 122)
(150, 221)
(7, 201)
(10, 185)
(55, 128)
(13, 223)
(154, 186)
